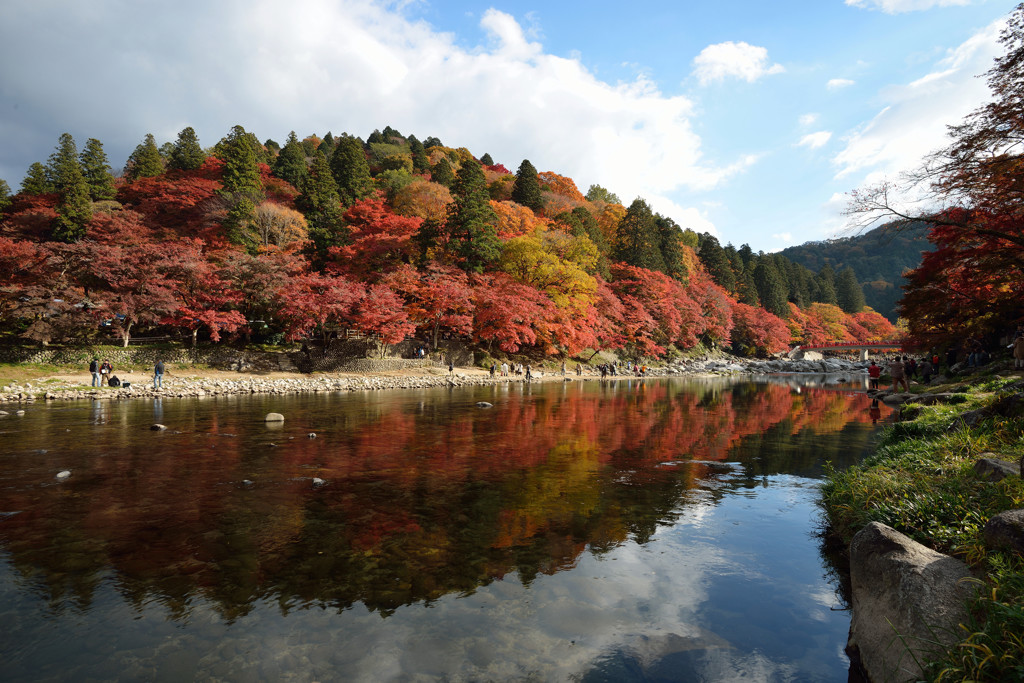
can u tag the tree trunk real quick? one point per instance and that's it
(195, 337)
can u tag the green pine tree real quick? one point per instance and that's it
(5, 195)
(420, 161)
(61, 162)
(825, 286)
(746, 288)
(320, 204)
(770, 288)
(237, 224)
(486, 160)
(351, 170)
(671, 245)
(290, 164)
(35, 181)
(471, 221)
(145, 161)
(596, 193)
(187, 154)
(327, 145)
(442, 173)
(241, 152)
(74, 207)
(637, 240)
(849, 294)
(97, 172)
(526, 188)
(715, 261)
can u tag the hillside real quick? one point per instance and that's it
(391, 238)
(878, 258)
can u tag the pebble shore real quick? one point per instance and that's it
(177, 387)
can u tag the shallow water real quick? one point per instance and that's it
(654, 530)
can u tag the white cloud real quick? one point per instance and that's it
(808, 120)
(839, 83)
(815, 140)
(786, 237)
(740, 60)
(913, 122)
(900, 6)
(284, 66)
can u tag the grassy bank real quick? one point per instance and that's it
(921, 481)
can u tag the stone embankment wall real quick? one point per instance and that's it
(146, 356)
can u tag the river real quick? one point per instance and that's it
(654, 530)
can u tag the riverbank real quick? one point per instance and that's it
(939, 476)
(57, 383)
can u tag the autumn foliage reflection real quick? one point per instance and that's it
(422, 498)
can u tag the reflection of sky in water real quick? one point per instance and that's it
(674, 607)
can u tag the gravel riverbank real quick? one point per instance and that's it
(189, 383)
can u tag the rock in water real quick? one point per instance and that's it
(318, 482)
(274, 417)
(63, 474)
(157, 427)
(484, 404)
(311, 435)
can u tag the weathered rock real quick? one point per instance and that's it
(158, 427)
(907, 601)
(1006, 531)
(993, 468)
(274, 417)
(970, 418)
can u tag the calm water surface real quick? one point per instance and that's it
(632, 531)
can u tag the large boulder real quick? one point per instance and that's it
(1005, 531)
(907, 601)
(992, 467)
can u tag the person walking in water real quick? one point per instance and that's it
(158, 375)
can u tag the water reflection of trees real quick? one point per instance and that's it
(423, 499)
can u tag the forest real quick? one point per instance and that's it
(251, 241)
(879, 258)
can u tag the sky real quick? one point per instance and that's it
(747, 119)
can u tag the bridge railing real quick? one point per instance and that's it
(867, 345)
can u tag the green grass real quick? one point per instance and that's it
(921, 482)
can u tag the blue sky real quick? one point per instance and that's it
(745, 118)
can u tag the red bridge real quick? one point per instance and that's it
(863, 348)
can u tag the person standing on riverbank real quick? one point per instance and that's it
(898, 372)
(158, 375)
(94, 368)
(106, 370)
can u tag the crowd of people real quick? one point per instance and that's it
(103, 374)
(902, 369)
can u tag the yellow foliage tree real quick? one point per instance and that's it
(423, 199)
(514, 220)
(278, 225)
(535, 260)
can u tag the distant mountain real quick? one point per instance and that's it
(879, 258)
